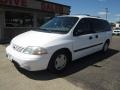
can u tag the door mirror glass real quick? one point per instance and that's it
(78, 32)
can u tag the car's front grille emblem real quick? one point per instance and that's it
(17, 48)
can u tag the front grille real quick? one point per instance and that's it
(17, 48)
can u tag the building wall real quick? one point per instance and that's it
(38, 4)
(117, 25)
(40, 11)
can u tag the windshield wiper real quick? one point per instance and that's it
(57, 31)
(43, 30)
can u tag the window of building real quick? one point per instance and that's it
(17, 19)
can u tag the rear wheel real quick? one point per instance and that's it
(106, 46)
(59, 61)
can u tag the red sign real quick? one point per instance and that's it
(14, 2)
(44, 6)
(51, 7)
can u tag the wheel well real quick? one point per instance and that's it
(65, 50)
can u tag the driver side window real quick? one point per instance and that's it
(82, 28)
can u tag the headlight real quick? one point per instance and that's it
(35, 50)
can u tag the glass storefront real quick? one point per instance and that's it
(18, 19)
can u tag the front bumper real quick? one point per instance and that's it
(28, 62)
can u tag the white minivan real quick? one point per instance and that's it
(59, 41)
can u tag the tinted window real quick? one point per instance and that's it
(83, 27)
(99, 25)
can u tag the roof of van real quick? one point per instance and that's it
(81, 16)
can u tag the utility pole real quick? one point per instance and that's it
(106, 10)
(119, 18)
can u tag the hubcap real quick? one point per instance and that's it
(60, 62)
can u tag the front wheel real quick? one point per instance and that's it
(59, 61)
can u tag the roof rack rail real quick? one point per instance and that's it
(96, 16)
(89, 15)
(83, 14)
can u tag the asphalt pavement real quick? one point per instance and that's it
(98, 71)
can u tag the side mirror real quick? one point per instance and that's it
(77, 32)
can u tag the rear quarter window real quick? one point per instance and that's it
(99, 25)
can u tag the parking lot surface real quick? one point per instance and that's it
(95, 72)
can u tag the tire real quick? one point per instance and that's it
(105, 47)
(59, 61)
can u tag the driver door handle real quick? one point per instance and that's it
(96, 36)
(90, 37)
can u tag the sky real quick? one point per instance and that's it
(94, 7)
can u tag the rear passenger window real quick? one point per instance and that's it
(99, 25)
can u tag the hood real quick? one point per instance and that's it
(35, 38)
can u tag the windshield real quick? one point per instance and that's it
(59, 25)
